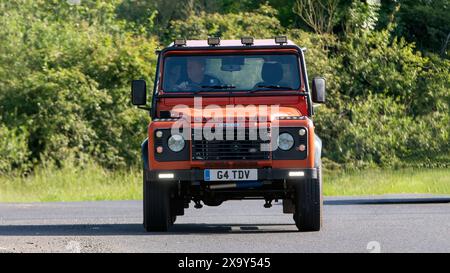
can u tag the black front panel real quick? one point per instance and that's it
(234, 145)
(167, 154)
(293, 153)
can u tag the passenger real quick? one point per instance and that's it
(271, 74)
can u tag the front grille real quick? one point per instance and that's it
(231, 148)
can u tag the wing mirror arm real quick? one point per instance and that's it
(145, 108)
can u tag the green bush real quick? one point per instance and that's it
(376, 131)
(13, 150)
(387, 103)
(372, 62)
(426, 22)
(66, 80)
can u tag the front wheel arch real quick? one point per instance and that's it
(317, 151)
(144, 151)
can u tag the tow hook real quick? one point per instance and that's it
(198, 205)
(268, 204)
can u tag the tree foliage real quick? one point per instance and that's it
(65, 71)
(320, 15)
(427, 23)
(260, 23)
(65, 77)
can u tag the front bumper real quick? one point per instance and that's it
(266, 174)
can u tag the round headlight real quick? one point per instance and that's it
(285, 141)
(175, 143)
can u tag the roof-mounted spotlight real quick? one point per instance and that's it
(281, 40)
(248, 41)
(214, 41)
(179, 42)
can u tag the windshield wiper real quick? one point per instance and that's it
(223, 86)
(271, 87)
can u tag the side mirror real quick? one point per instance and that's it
(318, 90)
(138, 92)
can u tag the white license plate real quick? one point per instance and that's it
(231, 175)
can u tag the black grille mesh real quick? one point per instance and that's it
(234, 145)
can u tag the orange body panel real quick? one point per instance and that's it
(280, 164)
(289, 105)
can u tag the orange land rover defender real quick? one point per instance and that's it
(231, 120)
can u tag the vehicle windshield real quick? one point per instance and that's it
(231, 73)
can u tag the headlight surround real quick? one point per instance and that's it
(176, 143)
(285, 141)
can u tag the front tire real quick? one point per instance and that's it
(157, 211)
(309, 203)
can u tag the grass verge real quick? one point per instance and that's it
(72, 184)
(95, 183)
(387, 181)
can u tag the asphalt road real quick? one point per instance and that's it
(357, 224)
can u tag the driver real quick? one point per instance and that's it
(196, 77)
